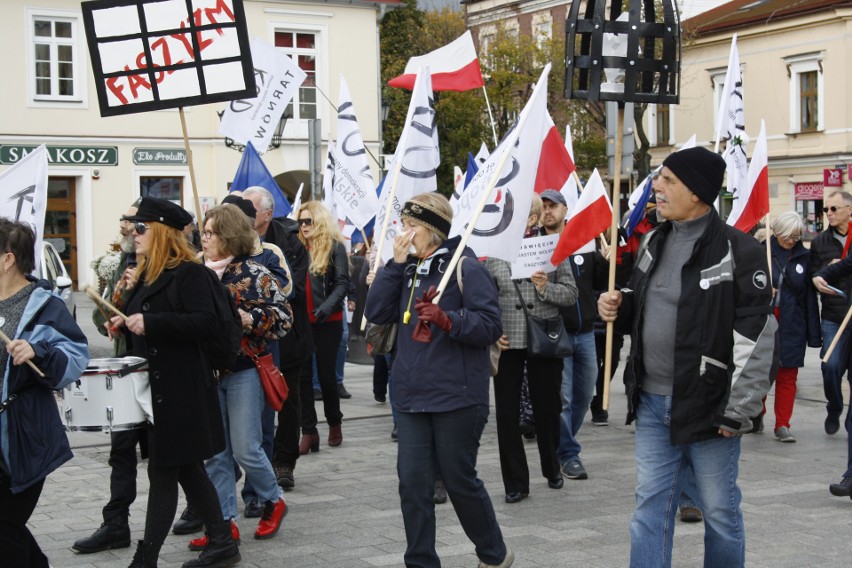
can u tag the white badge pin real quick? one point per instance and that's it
(704, 283)
(579, 260)
(800, 269)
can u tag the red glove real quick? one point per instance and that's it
(427, 313)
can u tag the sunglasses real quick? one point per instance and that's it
(306, 222)
(140, 228)
(833, 208)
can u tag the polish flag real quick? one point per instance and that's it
(752, 204)
(455, 67)
(590, 217)
(555, 165)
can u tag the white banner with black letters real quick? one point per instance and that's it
(23, 193)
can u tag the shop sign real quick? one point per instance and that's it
(808, 191)
(832, 178)
(63, 155)
(159, 157)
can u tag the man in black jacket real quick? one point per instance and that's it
(297, 346)
(702, 343)
(827, 248)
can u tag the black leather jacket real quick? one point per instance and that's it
(329, 289)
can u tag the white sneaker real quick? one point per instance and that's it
(507, 561)
(783, 434)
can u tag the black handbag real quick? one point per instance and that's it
(381, 338)
(546, 337)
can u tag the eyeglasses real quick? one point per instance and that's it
(794, 238)
(140, 228)
(833, 208)
(306, 222)
(207, 234)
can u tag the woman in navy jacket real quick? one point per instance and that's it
(440, 378)
(797, 312)
(32, 443)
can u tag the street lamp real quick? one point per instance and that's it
(277, 136)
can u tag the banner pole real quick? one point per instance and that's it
(768, 248)
(191, 169)
(334, 106)
(616, 201)
(490, 116)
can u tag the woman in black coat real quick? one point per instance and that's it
(187, 425)
(795, 304)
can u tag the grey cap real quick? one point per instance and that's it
(554, 196)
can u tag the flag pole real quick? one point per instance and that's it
(768, 248)
(490, 116)
(191, 167)
(334, 106)
(616, 201)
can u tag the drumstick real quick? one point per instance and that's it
(6, 339)
(97, 297)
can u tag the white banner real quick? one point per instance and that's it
(416, 157)
(23, 193)
(534, 255)
(500, 227)
(354, 189)
(254, 120)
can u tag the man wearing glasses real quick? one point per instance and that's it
(115, 530)
(829, 247)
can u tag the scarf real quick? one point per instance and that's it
(218, 266)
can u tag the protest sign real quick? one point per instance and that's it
(157, 54)
(278, 78)
(534, 255)
(23, 193)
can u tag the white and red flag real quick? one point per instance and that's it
(752, 204)
(454, 67)
(590, 217)
(520, 157)
(730, 124)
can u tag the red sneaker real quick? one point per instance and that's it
(201, 542)
(270, 521)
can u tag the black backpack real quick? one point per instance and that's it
(223, 348)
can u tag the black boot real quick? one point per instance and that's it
(146, 555)
(188, 523)
(114, 533)
(221, 550)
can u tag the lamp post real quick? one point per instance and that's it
(622, 56)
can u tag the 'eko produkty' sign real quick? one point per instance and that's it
(159, 156)
(157, 54)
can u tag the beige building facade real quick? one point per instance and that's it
(99, 166)
(794, 63)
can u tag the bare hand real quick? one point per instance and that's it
(113, 326)
(370, 277)
(401, 244)
(539, 278)
(20, 350)
(608, 304)
(246, 318)
(503, 343)
(821, 285)
(136, 324)
(727, 433)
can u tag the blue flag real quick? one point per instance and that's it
(253, 172)
(638, 212)
(472, 168)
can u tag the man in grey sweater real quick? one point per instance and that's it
(701, 347)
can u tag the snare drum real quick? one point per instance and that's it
(103, 398)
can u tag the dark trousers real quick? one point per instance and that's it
(18, 547)
(545, 382)
(600, 348)
(381, 373)
(122, 477)
(448, 442)
(296, 369)
(327, 338)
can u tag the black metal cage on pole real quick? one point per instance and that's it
(632, 56)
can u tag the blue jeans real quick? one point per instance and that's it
(449, 440)
(661, 470)
(578, 389)
(838, 363)
(241, 400)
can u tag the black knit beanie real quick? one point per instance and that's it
(700, 170)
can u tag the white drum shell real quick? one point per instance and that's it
(103, 400)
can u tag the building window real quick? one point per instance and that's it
(663, 125)
(301, 47)
(55, 62)
(808, 101)
(807, 90)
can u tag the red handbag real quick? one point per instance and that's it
(274, 385)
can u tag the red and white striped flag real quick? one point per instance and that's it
(455, 67)
(752, 203)
(590, 217)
